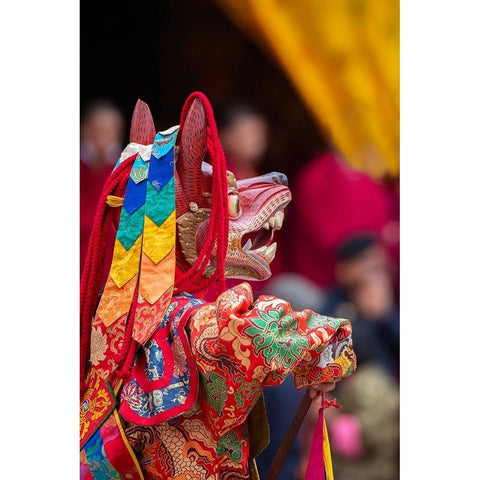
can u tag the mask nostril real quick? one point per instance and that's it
(279, 178)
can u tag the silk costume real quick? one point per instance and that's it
(190, 405)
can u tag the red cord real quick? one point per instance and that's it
(90, 283)
(192, 280)
(328, 403)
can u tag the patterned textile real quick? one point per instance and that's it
(238, 347)
(123, 278)
(107, 455)
(159, 386)
(146, 232)
(97, 404)
(157, 267)
(163, 382)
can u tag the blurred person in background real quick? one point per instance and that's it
(243, 132)
(101, 140)
(364, 294)
(354, 279)
(352, 276)
(364, 434)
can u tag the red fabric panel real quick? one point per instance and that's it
(116, 451)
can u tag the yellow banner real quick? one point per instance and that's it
(342, 56)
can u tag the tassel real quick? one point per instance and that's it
(327, 456)
(320, 459)
(114, 201)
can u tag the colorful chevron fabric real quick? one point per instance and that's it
(144, 251)
(158, 251)
(123, 277)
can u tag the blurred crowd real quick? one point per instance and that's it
(337, 254)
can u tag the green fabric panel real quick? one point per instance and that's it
(130, 227)
(160, 204)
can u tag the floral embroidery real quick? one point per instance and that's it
(155, 367)
(275, 337)
(214, 389)
(246, 392)
(230, 446)
(179, 358)
(97, 401)
(98, 346)
(163, 381)
(238, 347)
(140, 173)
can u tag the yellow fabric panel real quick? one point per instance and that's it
(327, 455)
(158, 241)
(116, 301)
(125, 263)
(155, 279)
(342, 56)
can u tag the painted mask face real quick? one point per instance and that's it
(256, 211)
(255, 207)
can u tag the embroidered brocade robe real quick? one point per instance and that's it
(239, 347)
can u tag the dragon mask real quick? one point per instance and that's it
(255, 206)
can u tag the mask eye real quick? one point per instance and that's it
(233, 205)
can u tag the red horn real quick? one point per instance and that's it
(192, 148)
(142, 129)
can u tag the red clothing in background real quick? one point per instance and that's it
(332, 201)
(91, 186)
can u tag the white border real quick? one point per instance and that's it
(39, 98)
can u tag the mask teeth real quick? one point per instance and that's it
(267, 252)
(270, 252)
(276, 221)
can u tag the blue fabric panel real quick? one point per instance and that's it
(163, 143)
(134, 196)
(161, 170)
